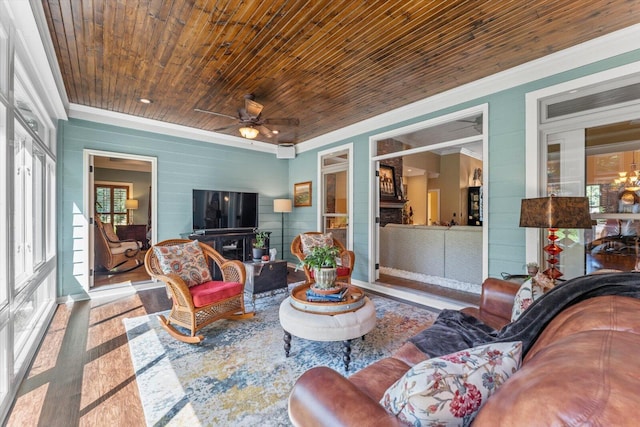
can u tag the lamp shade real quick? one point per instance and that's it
(555, 212)
(248, 132)
(131, 204)
(282, 205)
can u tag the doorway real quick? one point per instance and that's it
(432, 164)
(336, 205)
(583, 137)
(120, 194)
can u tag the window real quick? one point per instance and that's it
(22, 206)
(110, 203)
(3, 210)
(335, 193)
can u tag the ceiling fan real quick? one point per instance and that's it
(251, 121)
(476, 123)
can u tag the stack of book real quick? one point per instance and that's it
(337, 297)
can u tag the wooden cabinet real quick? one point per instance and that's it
(133, 232)
(474, 206)
(231, 244)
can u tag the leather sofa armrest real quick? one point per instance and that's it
(323, 397)
(496, 302)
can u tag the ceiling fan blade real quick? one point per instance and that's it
(252, 107)
(215, 114)
(282, 122)
(265, 130)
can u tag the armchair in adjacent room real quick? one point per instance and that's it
(198, 300)
(302, 243)
(111, 252)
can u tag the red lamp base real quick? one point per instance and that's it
(553, 250)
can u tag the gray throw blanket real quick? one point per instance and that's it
(454, 331)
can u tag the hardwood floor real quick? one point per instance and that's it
(83, 375)
(131, 274)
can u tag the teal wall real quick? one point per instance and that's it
(183, 165)
(506, 184)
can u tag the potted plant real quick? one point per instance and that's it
(322, 260)
(260, 245)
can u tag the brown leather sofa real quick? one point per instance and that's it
(582, 370)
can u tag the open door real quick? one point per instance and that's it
(114, 171)
(92, 208)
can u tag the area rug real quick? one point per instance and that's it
(239, 374)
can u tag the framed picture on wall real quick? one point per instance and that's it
(387, 181)
(302, 194)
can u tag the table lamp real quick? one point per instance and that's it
(283, 206)
(131, 205)
(553, 213)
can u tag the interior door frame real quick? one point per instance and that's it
(536, 132)
(374, 188)
(321, 191)
(88, 197)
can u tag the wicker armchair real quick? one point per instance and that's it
(347, 258)
(188, 311)
(112, 252)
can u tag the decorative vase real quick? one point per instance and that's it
(325, 277)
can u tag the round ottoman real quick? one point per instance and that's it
(324, 327)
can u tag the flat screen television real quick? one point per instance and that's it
(214, 209)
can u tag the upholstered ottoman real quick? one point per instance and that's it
(325, 327)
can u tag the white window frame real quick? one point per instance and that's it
(321, 190)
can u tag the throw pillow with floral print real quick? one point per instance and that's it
(523, 299)
(186, 260)
(450, 390)
(310, 241)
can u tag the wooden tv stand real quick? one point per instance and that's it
(230, 243)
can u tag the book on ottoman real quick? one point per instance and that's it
(337, 297)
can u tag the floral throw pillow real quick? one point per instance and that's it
(310, 241)
(186, 260)
(450, 390)
(522, 300)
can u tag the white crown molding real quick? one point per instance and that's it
(461, 150)
(604, 47)
(97, 115)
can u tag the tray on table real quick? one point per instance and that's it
(354, 299)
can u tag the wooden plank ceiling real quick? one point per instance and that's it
(327, 63)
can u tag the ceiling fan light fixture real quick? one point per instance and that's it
(248, 132)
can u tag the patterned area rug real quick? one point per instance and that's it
(239, 374)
